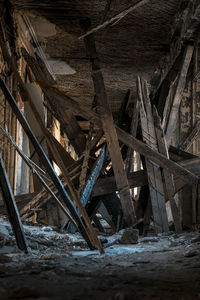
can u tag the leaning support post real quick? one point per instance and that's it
(109, 130)
(171, 125)
(153, 171)
(169, 180)
(87, 191)
(11, 207)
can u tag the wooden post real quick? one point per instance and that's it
(110, 132)
(169, 181)
(153, 171)
(84, 168)
(133, 132)
(172, 121)
(12, 210)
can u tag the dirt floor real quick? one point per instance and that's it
(59, 266)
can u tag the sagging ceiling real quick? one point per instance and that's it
(137, 45)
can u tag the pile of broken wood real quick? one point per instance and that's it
(102, 179)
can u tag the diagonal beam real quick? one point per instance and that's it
(11, 206)
(109, 130)
(116, 18)
(172, 121)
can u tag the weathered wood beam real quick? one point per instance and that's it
(70, 205)
(108, 185)
(109, 130)
(93, 178)
(84, 168)
(172, 121)
(12, 210)
(116, 18)
(156, 157)
(187, 143)
(156, 188)
(82, 212)
(67, 159)
(168, 177)
(133, 132)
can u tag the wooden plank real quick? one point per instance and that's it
(157, 157)
(126, 138)
(133, 132)
(110, 131)
(193, 135)
(92, 179)
(84, 168)
(116, 18)
(89, 229)
(45, 161)
(12, 210)
(169, 180)
(153, 171)
(108, 185)
(67, 159)
(172, 121)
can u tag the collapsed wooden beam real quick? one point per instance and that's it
(187, 143)
(133, 132)
(87, 191)
(155, 182)
(12, 210)
(81, 212)
(157, 157)
(116, 18)
(107, 185)
(109, 130)
(45, 161)
(172, 121)
(127, 139)
(168, 177)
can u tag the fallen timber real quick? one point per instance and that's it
(87, 191)
(11, 207)
(26, 96)
(130, 141)
(106, 118)
(70, 205)
(156, 188)
(168, 177)
(157, 157)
